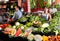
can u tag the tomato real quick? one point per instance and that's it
(1, 26)
(6, 25)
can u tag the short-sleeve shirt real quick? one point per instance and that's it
(53, 10)
(17, 15)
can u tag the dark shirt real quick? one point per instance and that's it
(4, 17)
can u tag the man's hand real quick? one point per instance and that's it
(11, 20)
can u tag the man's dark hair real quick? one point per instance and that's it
(18, 7)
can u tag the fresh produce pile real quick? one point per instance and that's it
(43, 38)
(3, 26)
(29, 25)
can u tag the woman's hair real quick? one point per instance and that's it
(44, 7)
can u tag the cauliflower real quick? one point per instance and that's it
(22, 27)
(56, 32)
(37, 38)
(35, 29)
(45, 25)
(14, 27)
(17, 23)
(30, 37)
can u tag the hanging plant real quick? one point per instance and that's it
(33, 4)
(41, 3)
(48, 3)
(57, 6)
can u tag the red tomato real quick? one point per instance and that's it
(6, 25)
(1, 26)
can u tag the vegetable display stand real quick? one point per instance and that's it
(30, 27)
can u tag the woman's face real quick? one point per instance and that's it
(45, 10)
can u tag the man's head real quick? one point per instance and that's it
(16, 8)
